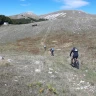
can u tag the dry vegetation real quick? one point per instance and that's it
(28, 70)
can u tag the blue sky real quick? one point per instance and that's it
(39, 7)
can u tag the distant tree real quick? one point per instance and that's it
(42, 19)
(4, 18)
(19, 21)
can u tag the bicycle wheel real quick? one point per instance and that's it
(77, 64)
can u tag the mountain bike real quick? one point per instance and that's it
(75, 63)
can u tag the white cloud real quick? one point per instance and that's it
(25, 4)
(72, 4)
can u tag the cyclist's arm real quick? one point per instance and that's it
(71, 52)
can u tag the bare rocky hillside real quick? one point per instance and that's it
(28, 70)
(25, 15)
(72, 21)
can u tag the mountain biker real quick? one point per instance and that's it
(74, 53)
(45, 47)
(52, 51)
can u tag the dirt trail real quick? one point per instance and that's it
(47, 32)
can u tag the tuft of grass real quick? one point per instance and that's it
(39, 84)
(41, 90)
(51, 89)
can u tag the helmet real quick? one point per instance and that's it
(75, 49)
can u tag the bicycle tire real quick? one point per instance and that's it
(76, 64)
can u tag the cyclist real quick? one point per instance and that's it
(74, 53)
(52, 51)
(45, 47)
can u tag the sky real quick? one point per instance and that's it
(41, 7)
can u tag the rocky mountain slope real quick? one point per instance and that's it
(25, 15)
(67, 13)
(73, 21)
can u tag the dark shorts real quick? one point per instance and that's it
(75, 57)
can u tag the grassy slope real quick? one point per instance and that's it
(54, 75)
(33, 72)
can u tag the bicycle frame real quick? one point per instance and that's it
(75, 63)
(75, 60)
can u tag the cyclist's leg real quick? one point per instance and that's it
(72, 60)
(77, 62)
(76, 59)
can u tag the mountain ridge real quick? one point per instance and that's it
(63, 12)
(25, 15)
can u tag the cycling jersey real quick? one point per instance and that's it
(75, 52)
